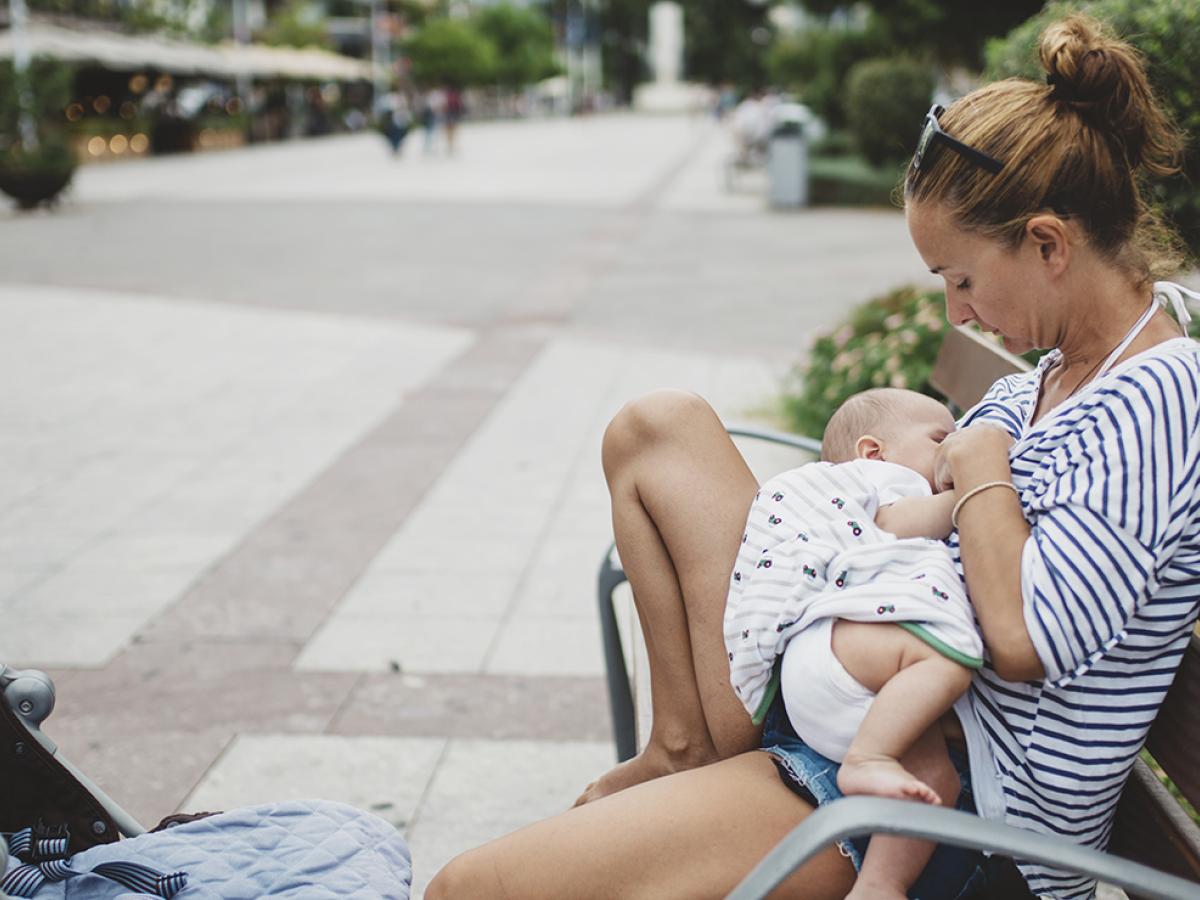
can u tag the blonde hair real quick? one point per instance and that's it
(874, 410)
(1074, 146)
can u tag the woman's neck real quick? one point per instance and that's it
(1103, 314)
(1098, 312)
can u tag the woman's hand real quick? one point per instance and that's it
(978, 443)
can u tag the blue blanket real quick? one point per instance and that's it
(314, 849)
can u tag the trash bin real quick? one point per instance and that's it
(787, 157)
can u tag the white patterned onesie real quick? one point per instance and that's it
(812, 552)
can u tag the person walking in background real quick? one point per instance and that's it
(452, 116)
(397, 120)
(432, 105)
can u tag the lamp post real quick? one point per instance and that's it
(241, 37)
(26, 125)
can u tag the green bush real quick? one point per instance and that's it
(49, 90)
(813, 64)
(888, 342)
(1167, 32)
(850, 181)
(885, 100)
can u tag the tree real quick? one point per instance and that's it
(451, 51)
(523, 42)
(951, 31)
(725, 40)
(295, 24)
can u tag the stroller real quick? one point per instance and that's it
(63, 834)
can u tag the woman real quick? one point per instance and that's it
(1078, 527)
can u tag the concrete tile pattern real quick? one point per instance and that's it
(300, 489)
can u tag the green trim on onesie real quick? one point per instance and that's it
(915, 628)
(769, 696)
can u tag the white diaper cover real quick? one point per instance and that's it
(824, 702)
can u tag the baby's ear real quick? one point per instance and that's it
(868, 447)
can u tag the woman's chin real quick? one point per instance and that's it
(1016, 346)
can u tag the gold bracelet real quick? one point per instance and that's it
(979, 489)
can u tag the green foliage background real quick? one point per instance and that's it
(451, 51)
(49, 84)
(890, 341)
(1167, 32)
(524, 44)
(885, 100)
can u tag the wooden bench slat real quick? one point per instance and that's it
(968, 364)
(1174, 740)
(1152, 828)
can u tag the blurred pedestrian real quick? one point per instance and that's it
(432, 107)
(453, 115)
(397, 120)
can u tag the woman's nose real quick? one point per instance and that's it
(957, 313)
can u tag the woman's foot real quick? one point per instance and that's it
(652, 762)
(882, 776)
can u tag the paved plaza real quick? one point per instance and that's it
(300, 491)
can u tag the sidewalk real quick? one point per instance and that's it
(299, 469)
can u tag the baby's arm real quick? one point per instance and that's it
(918, 516)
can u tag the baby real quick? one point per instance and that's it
(832, 550)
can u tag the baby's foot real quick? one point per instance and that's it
(649, 764)
(882, 776)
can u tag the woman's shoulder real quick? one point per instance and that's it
(1166, 374)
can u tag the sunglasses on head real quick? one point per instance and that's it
(932, 133)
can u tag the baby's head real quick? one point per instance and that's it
(890, 424)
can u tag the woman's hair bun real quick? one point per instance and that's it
(1104, 79)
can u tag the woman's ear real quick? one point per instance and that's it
(868, 447)
(1051, 238)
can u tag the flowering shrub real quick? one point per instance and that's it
(888, 342)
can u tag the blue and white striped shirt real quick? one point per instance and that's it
(1110, 575)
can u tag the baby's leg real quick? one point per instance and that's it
(898, 750)
(914, 686)
(893, 864)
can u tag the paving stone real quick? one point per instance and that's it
(505, 785)
(500, 707)
(384, 775)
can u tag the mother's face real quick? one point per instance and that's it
(1001, 289)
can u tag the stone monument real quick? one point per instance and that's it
(667, 93)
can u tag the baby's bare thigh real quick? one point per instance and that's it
(873, 652)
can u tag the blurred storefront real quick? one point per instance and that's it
(137, 94)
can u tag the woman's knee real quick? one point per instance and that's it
(646, 421)
(457, 879)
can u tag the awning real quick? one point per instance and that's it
(128, 53)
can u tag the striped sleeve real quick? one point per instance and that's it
(1005, 405)
(1108, 513)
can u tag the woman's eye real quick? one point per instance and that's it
(964, 284)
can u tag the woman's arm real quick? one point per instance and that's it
(912, 517)
(992, 533)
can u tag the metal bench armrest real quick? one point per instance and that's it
(799, 441)
(855, 816)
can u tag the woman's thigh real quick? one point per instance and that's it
(691, 835)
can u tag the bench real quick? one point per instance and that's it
(1154, 851)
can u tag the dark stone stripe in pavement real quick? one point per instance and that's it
(286, 576)
(495, 707)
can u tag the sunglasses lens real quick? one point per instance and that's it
(923, 143)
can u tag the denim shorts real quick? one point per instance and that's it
(953, 873)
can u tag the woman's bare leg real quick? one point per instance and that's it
(691, 835)
(680, 494)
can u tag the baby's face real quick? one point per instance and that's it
(913, 441)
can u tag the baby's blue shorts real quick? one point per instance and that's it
(953, 873)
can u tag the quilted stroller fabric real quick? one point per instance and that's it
(312, 849)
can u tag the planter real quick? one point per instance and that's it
(31, 187)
